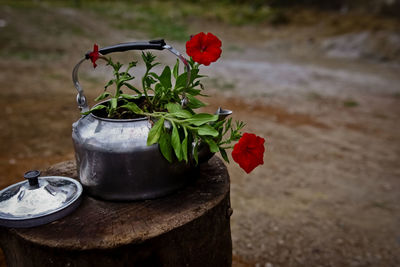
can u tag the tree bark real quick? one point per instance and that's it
(190, 227)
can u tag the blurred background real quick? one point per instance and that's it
(319, 80)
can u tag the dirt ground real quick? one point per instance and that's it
(327, 103)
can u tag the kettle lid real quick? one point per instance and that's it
(39, 200)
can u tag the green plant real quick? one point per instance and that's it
(169, 100)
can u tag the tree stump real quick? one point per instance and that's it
(190, 227)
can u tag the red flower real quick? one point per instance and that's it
(204, 48)
(94, 55)
(249, 152)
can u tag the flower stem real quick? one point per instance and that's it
(144, 87)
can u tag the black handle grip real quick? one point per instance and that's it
(155, 44)
(32, 177)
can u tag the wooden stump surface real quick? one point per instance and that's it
(98, 224)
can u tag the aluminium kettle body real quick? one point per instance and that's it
(114, 161)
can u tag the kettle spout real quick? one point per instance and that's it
(222, 113)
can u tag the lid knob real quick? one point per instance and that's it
(32, 177)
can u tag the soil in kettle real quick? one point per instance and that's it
(120, 112)
(326, 98)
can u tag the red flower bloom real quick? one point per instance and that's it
(204, 48)
(94, 55)
(249, 152)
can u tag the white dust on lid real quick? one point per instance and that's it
(32, 202)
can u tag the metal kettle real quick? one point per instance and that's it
(112, 156)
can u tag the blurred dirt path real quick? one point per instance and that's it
(328, 192)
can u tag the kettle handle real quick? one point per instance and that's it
(154, 44)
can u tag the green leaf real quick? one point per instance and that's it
(202, 118)
(179, 90)
(154, 75)
(155, 64)
(213, 146)
(114, 103)
(155, 132)
(148, 59)
(165, 145)
(196, 153)
(176, 142)
(219, 125)
(177, 111)
(131, 65)
(194, 74)
(158, 89)
(125, 77)
(117, 66)
(176, 69)
(224, 155)
(126, 96)
(132, 87)
(148, 80)
(165, 78)
(173, 107)
(185, 149)
(207, 130)
(181, 81)
(227, 126)
(102, 96)
(194, 102)
(108, 84)
(184, 114)
(194, 92)
(93, 109)
(133, 107)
